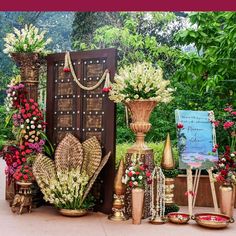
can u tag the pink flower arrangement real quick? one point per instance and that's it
(136, 175)
(24, 173)
(226, 167)
(226, 126)
(29, 125)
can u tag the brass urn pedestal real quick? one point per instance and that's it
(23, 199)
(140, 111)
(29, 64)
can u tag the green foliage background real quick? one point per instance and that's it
(197, 52)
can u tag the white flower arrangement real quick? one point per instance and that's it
(29, 40)
(138, 82)
(66, 190)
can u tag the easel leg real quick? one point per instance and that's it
(213, 191)
(190, 190)
(195, 189)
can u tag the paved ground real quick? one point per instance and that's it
(46, 221)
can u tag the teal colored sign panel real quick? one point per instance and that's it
(196, 137)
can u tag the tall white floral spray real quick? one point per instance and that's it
(140, 81)
(29, 39)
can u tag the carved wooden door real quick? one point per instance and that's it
(84, 113)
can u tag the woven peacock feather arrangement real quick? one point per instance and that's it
(73, 162)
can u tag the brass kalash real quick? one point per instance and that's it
(118, 203)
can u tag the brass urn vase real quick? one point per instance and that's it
(137, 205)
(227, 199)
(140, 113)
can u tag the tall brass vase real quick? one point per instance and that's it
(29, 64)
(137, 205)
(140, 111)
(227, 199)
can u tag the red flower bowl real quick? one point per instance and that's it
(178, 217)
(212, 220)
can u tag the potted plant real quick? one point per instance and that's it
(136, 175)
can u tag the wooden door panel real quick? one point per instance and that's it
(84, 113)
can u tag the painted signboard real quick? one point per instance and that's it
(196, 139)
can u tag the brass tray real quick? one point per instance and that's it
(73, 213)
(212, 220)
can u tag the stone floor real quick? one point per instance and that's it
(46, 221)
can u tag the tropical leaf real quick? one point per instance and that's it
(92, 156)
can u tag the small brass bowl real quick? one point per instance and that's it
(212, 220)
(178, 217)
(73, 213)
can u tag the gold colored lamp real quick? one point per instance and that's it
(118, 202)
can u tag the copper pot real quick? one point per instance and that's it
(137, 205)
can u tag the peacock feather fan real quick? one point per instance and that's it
(69, 154)
(44, 170)
(92, 156)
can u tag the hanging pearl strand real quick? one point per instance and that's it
(162, 193)
(157, 204)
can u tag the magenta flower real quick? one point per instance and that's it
(228, 124)
(228, 109)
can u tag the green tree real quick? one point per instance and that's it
(85, 24)
(57, 24)
(211, 66)
(137, 36)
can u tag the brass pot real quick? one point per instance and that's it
(140, 112)
(73, 213)
(227, 198)
(137, 205)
